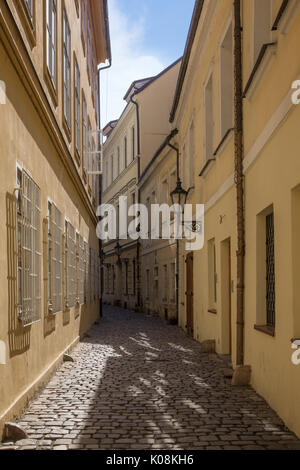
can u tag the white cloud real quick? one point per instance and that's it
(129, 60)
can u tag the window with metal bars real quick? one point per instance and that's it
(86, 269)
(270, 270)
(29, 250)
(80, 258)
(54, 259)
(70, 266)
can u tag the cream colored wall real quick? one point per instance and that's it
(155, 104)
(30, 136)
(205, 58)
(124, 184)
(31, 350)
(273, 128)
(271, 176)
(158, 253)
(37, 56)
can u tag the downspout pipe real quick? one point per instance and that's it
(239, 180)
(176, 149)
(100, 176)
(138, 246)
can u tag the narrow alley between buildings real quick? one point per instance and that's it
(139, 383)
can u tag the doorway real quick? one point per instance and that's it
(189, 295)
(226, 291)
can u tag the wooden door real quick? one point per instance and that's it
(189, 295)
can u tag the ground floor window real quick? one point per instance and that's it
(29, 249)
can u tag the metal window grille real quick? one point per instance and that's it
(51, 38)
(80, 270)
(70, 266)
(270, 270)
(29, 262)
(89, 161)
(86, 263)
(55, 259)
(67, 70)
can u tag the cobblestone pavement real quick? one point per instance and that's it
(138, 383)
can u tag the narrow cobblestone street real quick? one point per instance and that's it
(138, 383)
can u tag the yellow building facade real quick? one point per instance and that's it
(49, 52)
(205, 112)
(128, 151)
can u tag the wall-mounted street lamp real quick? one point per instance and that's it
(179, 195)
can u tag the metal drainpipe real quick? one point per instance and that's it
(239, 178)
(177, 241)
(138, 247)
(100, 184)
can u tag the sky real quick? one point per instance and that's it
(146, 37)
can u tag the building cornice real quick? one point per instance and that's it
(17, 52)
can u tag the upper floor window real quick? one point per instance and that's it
(77, 107)
(191, 155)
(89, 46)
(112, 168)
(84, 134)
(29, 8)
(262, 11)
(83, 22)
(67, 69)
(118, 161)
(51, 39)
(133, 142)
(209, 121)
(125, 152)
(226, 63)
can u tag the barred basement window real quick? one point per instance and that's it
(54, 259)
(70, 266)
(80, 269)
(29, 250)
(86, 264)
(270, 270)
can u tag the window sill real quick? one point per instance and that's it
(268, 330)
(212, 310)
(265, 56)
(67, 129)
(28, 23)
(51, 86)
(206, 167)
(224, 141)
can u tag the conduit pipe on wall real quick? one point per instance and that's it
(239, 180)
(138, 246)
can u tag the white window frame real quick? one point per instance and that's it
(51, 39)
(77, 106)
(29, 247)
(54, 259)
(67, 69)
